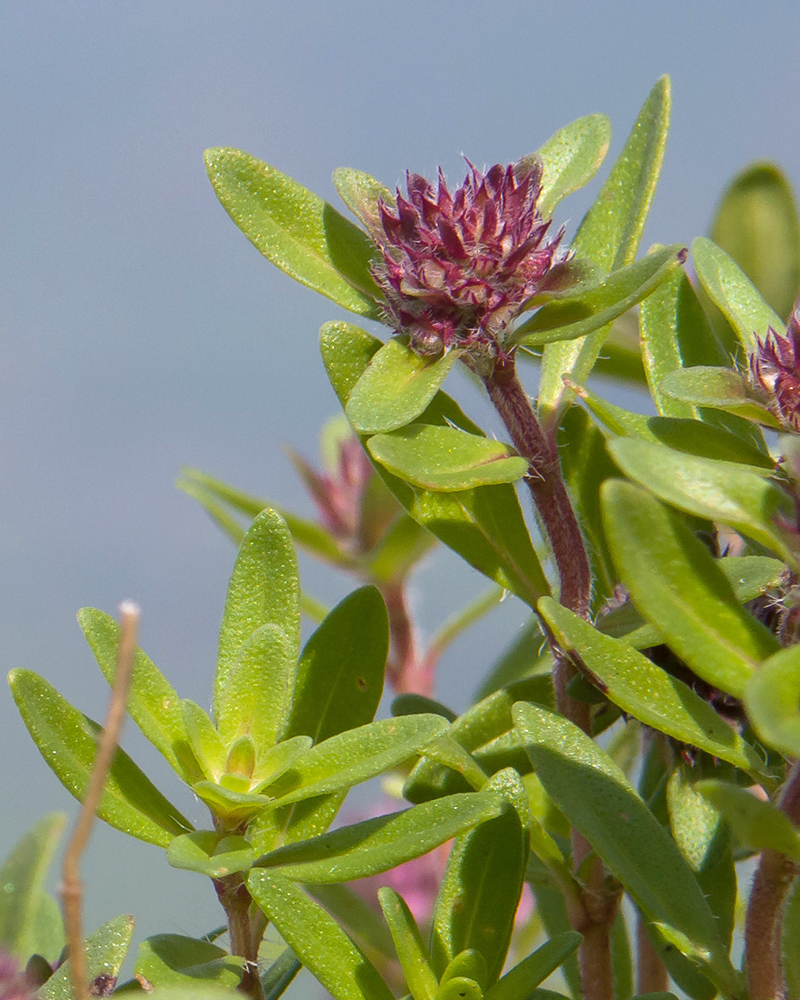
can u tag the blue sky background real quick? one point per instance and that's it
(141, 332)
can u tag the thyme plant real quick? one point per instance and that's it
(631, 752)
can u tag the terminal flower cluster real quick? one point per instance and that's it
(775, 368)
(457, 268)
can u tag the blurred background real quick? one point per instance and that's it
(141, 332)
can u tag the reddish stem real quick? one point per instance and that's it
(594, 912)
(771, 884)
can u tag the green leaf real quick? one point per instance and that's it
(208, 750)
(316, 939)
(445, 458)
(519, 981)
(571, 158)
(705, 842)
(599, 801)
(744, 445)
(230, 806)
(354, 756)
(756, 223)
(755, 824)
(396, 387)
(478, 727)
(210, 853)
(258, 692)
(587, 309)
(485, 526)
(173, 959)
(356, 914)
(719, 491)
(677, 585)
(609, 235)
(376, 845)
(772, 697)
(153, 703)
(67, 740)
(361, 193)
(340, 673)
(22, 878)
(646, 691)
(263, 590)
(104, 953)
(411, 951)
(479, 894)
(586, 464)
(47, 937)
(675, 334)
(279, 976)
(294, 229)
(720, 389)
(731, 290)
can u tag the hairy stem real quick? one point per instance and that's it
(550, 497)
(771, 884)
(594, 912)
(245, 932)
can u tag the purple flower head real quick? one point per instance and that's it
(775, 368)
(456, 269)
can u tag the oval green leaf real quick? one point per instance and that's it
(573, 317)
(376, 845)
(571, 158)
(104, 952)
(67, 740)
(349, 758)
(396, 387)
(485, 526)
(677, 585)
(719, 491)
(518, 982)
(731, 291)
(177, 960)
(210, 853)
(316, 939)
(153, 703)
(22, 877)
(772, 697)
(411, 951)
(756, 824)
(479, 894)
(362, 194)
(757, 224)
(257, 696)
(596, 796)
(609, 235)
(646, 692)
(720, 389)
(445, 458)
(264, 589)
(340, 673)
(294, 229)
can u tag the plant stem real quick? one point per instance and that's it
(545, 482)
(771, 884)
(406, 671)
(596, 909)
(244, 933)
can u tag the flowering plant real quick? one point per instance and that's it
(634, 749)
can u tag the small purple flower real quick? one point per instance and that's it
(775, 368)
(456, 269)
